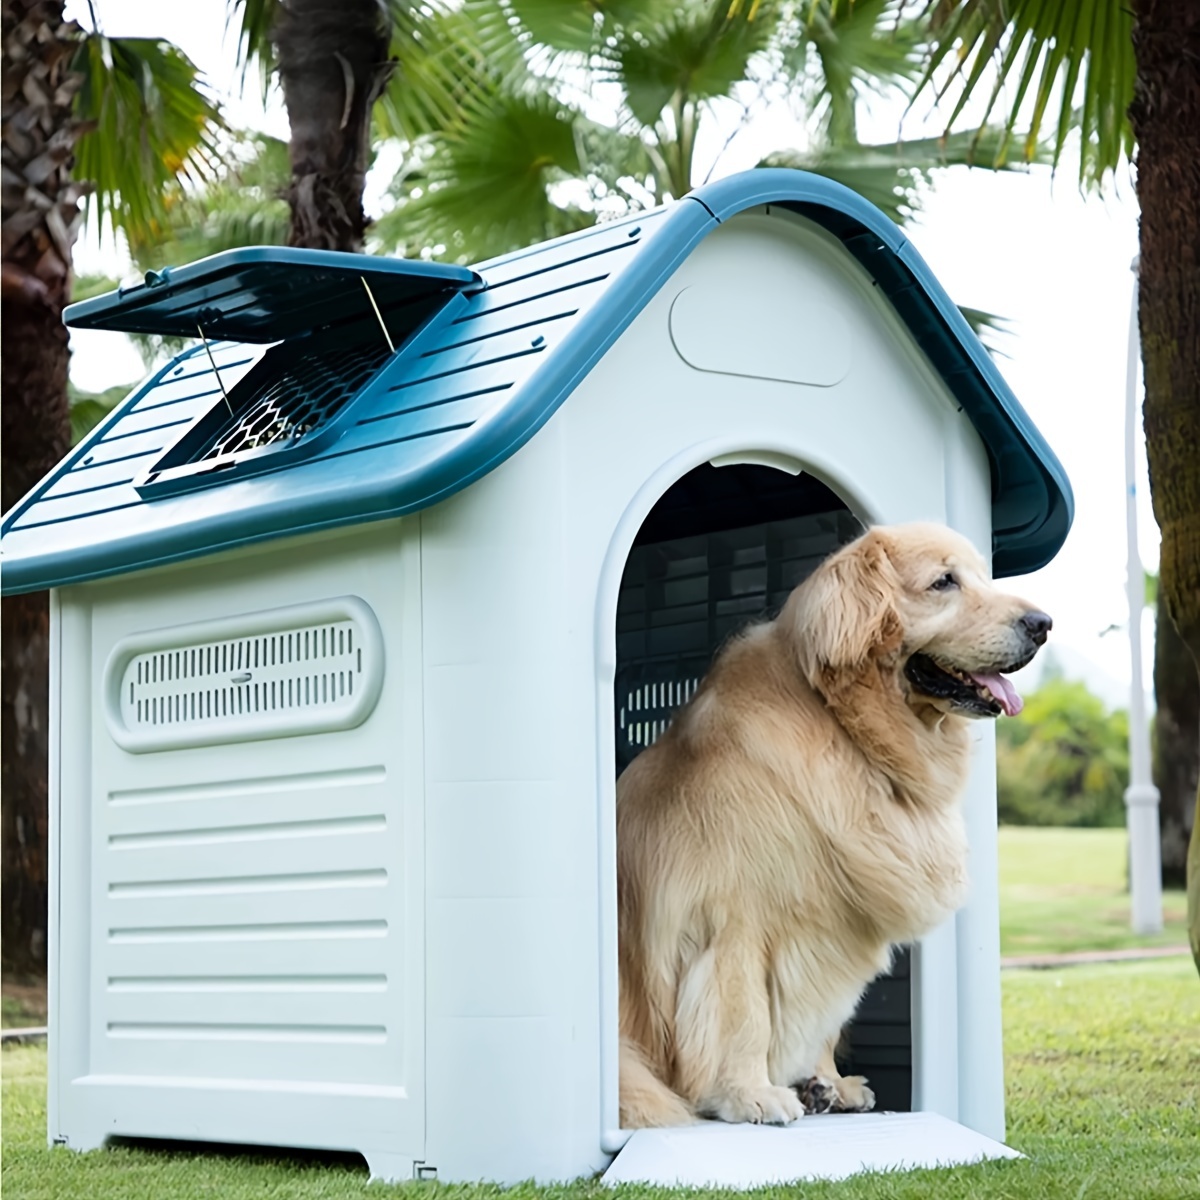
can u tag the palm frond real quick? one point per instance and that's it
(894, 176)
(867, 44)
(88, 409)
(698, 54)
(1076, 54)
(485, 188)
(254, 49)
(570, 25)
(448, 62)
(84, 287)
(242, 206)
(151, 122)
(990, 329)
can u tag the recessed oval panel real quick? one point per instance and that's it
(310, 668)
(761, 333)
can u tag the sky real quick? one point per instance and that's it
(1027, 246)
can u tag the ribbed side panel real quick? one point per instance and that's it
(243, 930)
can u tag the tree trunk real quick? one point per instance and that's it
(333, 65)
(1166, 122)
(40, 211)
(1176, 744)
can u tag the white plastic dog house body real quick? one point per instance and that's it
(384, 920)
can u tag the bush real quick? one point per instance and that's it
(1064, 760)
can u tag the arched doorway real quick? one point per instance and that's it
(724, 546)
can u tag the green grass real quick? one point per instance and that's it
(1064, 889)
(1104, 1098)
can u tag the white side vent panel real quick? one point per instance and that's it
(307, 669)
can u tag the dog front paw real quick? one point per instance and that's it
(854, 1095)
(816, 1095)
(848, 1094)
(759, 1106)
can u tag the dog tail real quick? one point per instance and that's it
(647, 1102)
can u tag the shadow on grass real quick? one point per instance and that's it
(243, 1155)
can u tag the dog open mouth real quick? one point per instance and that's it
(983, 694)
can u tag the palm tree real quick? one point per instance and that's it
(335, 59)
(127, 116)
(1127, 75)
(581, 109)
(1176, 743)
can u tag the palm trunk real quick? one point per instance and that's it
(1166, 122)
(333, 65)
(1176, 744)
(40, 209)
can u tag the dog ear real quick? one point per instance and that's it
(844, 614)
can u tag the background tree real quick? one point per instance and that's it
(335, 59)
(127, 114)
(1125, 73)
(580, 110)
(1176, 743)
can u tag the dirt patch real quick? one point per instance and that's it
(24, 1002)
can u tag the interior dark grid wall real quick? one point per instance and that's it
(725, 546)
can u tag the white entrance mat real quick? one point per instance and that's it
(816, 1147)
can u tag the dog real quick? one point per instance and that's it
(799, 818)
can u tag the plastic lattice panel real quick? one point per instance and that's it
(301, 397)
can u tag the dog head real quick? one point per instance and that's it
(916, 598)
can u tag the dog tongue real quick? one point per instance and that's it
(1006, 695)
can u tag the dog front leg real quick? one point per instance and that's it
(723, 1034)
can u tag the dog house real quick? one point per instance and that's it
(360, 605)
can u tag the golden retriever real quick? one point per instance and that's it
(799, 818)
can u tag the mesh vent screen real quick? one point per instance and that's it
(285, 404)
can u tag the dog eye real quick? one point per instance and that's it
(944, 584)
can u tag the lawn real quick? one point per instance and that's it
(1103, 1073)
(1104, 1098)
(1064, 889)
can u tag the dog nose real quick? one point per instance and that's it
(1037, 625)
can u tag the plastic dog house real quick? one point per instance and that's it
(350, 644)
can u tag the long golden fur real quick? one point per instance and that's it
(799, 818)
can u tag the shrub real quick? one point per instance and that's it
(1064, 760)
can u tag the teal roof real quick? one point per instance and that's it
(483, 359)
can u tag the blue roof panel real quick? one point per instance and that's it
(472, 385)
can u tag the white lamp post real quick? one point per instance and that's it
(1141, 796)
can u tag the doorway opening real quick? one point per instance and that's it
(725, 546)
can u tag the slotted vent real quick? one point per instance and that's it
(294, 671)
(301, 397)
(646, 710)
